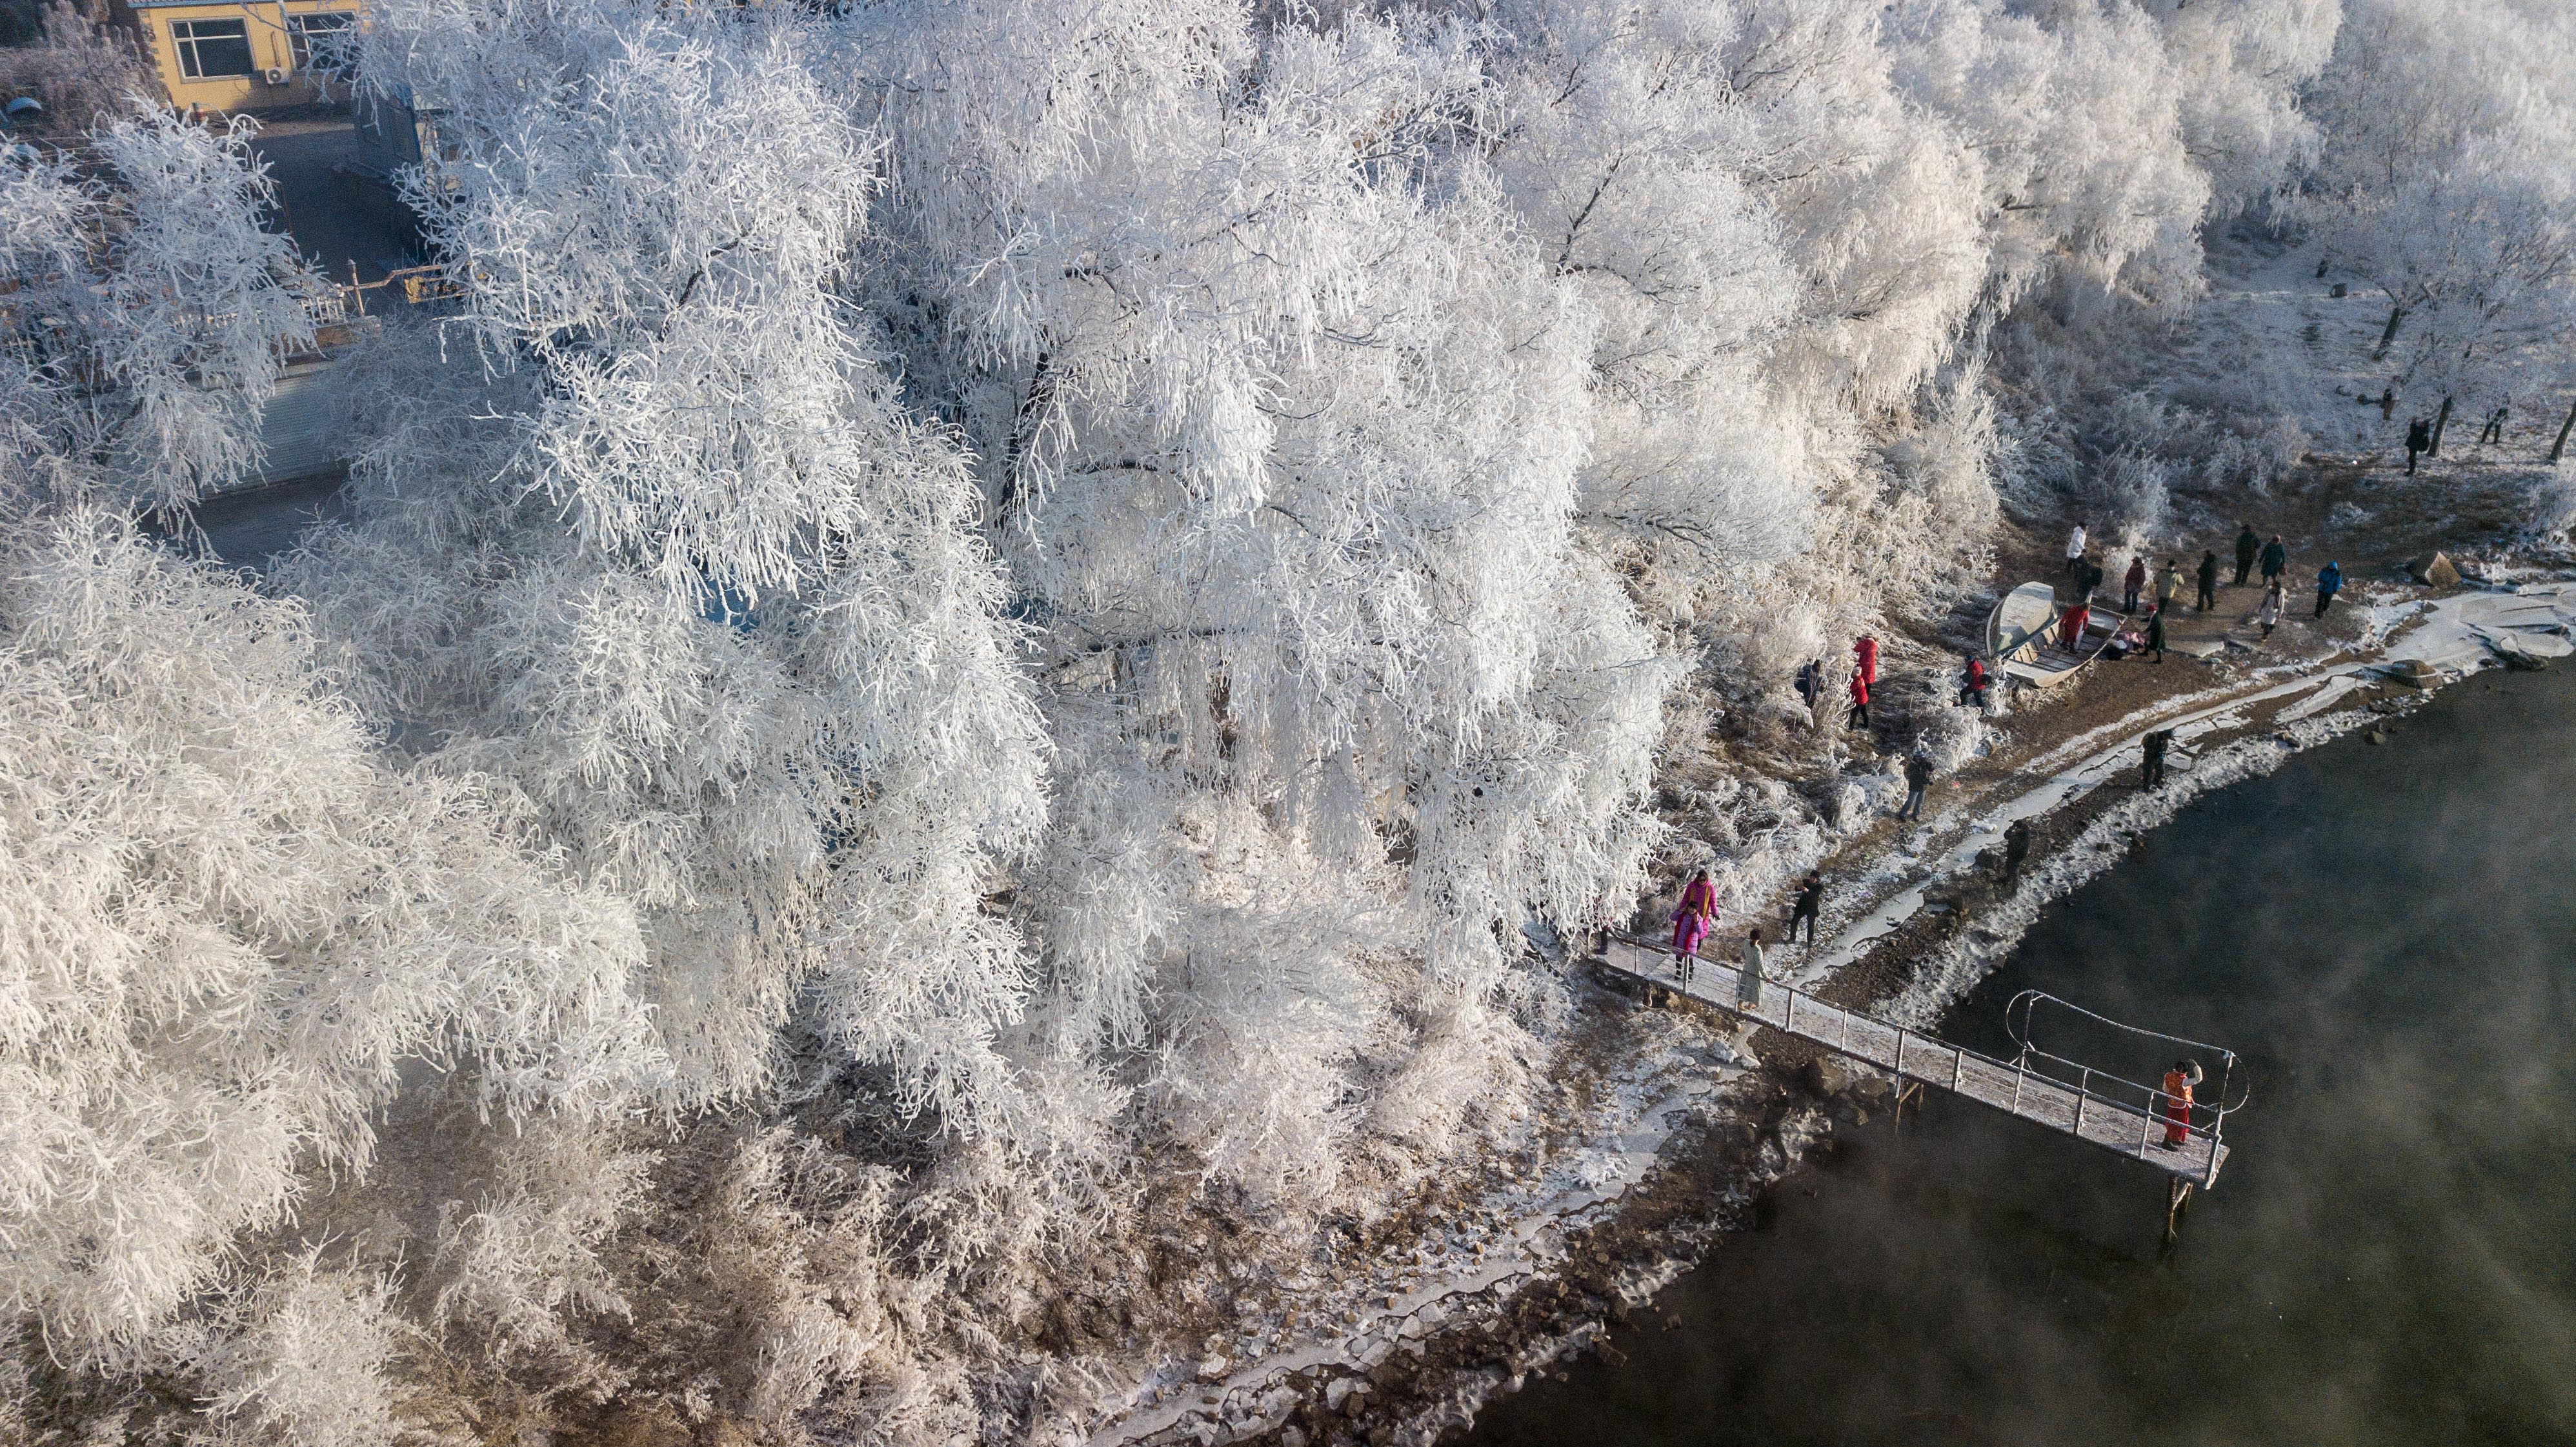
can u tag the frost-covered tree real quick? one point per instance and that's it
(149, 317)
(2444, 183)
(658, 552)
(226, 927)
(1282, 415)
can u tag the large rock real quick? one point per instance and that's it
(2436, 571)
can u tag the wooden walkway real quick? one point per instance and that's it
(2114, 1114)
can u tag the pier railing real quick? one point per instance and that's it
(2071, 1096)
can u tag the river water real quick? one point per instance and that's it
(2385, 933)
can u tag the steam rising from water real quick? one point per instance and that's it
(2386, 933)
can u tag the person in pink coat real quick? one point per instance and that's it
(1692, 920)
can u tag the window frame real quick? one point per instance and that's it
(344, 26)
(186, 43)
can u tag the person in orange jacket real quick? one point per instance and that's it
(2177, 1102)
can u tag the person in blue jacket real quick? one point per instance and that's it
(2329, 583)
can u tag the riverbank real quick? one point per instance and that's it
(2379, 931)
(1690, 1116)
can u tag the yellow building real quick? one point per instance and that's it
(244, 55)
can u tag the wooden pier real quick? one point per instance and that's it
(2117, 1115)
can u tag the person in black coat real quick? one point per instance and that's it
(2247, 545)
(1918, 779)
(1810, 903)
(2016, 849)
(2276, 559)
(2208, 582)
(2156, 633)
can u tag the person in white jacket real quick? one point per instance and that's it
(2075, 548)
(1748, 985)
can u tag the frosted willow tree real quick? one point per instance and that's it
(152, 313)
(225, 925)
(1628, 157)
(2443, 181)
(2240, 74)
(659, 554)
(1282, 417)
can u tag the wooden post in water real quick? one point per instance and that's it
(2177, 1205)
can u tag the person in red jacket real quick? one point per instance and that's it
(1867, 648)
(1860, 703)
(2177, 1102)
(1972, 683)
(2135, 583)
(2070, 629)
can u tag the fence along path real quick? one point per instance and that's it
(2115, 1114)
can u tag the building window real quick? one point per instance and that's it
(322, 39)
(209, 48)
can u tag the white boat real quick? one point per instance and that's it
(2021, 637)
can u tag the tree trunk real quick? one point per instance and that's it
(2388, 333)
(2558, 449)
(2440, 421)
(1024, 435)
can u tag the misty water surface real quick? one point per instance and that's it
(2386, 934)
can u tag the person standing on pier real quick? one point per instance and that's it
(1810, 903)
(2177, 1102)
(1748, 984)
(1692, 922)
(2133, 584)
(2247, 545)
(2208, 583)
(2329, 583)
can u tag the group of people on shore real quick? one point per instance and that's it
(2252, 552)
(2158, 589)
(1811, 682)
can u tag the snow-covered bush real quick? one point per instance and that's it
(82, 69)
(304, 1358)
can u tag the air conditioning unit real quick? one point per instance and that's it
(276, 75)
